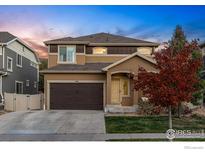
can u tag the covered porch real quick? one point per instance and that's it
(121, 95)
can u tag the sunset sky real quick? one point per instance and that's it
(36, 24)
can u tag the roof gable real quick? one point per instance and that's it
(129, 57)
(6, 37)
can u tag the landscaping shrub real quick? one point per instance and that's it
(147, 108)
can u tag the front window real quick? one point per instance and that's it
(19, 87)
(19, 60)
(144, 50)
(67, 54)
(9, 64)
(99, 50)
(125, 83)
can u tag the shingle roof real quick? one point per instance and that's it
(99, 38)
(6, 37)
(87, 68)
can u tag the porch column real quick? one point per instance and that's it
(108, 88)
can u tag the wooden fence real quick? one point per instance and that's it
(22, 102)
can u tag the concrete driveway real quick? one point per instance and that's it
(52, 122)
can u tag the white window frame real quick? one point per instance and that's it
(66, 62)
(99, 54)
(35, 84)
(17, 60)
(21, 82)
(10, 69)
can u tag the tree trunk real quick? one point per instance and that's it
(170, 117)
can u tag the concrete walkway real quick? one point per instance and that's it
(88, 137)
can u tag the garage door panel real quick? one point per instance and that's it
(77, 96)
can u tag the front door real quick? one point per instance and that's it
(115, 91)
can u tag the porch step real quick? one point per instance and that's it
(120, 109)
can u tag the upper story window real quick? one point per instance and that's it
(66, 54)
(9, 64)
(99, 50)
(145, 50)
(19, 60)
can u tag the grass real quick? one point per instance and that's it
(160, 140)
(154, 124)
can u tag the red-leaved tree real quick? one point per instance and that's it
(174, 80)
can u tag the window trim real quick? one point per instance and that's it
(67, 62)
(11, 69)
(21, 82)
(17, 60)
(99, 47)
(35, 84)
(27, 83)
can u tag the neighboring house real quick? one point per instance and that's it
(95, 72)
(203, 51)
(203, 73)
(18, 66)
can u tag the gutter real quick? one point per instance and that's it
(63, 72)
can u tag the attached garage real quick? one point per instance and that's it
(76, 96)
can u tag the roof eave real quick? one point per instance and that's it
(127, 58)
(125, 44)
(62, 72)
(65, 42)
(101, 44)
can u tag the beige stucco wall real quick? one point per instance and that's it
(71, 77)
(132, 65)
(52, 60)
(82, 59)
(108, 59)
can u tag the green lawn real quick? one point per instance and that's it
(160, 140)
(154, 124)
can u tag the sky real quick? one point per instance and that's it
(36, 24)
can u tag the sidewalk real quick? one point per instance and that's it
(88, 137)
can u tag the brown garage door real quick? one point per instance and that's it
(76, 96)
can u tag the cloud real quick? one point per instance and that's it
(31, 28)
(142, 31)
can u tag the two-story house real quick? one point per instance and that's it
(95, 72)
(19, 66)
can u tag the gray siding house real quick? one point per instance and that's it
(19, 66)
